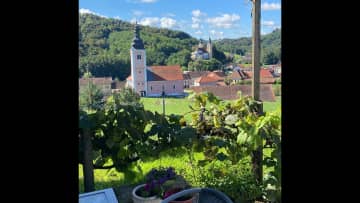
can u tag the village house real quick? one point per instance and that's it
(106, 84)
(152, 80)
(265, 76)
(191, 76)
(210, 79)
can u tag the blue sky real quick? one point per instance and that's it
(200, 18)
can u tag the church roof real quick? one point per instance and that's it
(137, 42)
(161, 73)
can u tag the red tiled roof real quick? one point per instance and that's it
(210, 77)
(265, 76)
(230, 92)
(219, 73)
(196, 74)
(158, 73)
(265, 73)
(236, 75)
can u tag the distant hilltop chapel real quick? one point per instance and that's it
(202, 51)
(152, 80)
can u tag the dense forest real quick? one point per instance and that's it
(270, 46)
(104, 46)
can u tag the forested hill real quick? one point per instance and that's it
(104, 46)
(270, 45)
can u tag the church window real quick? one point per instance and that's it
(139, 72)
(151, 87)
(139, 57)
(174, 86)
(138, 83)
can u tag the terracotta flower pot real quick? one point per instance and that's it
(137, 199)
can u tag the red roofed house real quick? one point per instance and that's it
(152, 80)
(210, 79)
(265, 76)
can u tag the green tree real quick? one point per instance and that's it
(126, 96)
(182, 58)
(269, 57)
(204, 65)
(219, 55)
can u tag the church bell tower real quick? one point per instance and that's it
(138, 63)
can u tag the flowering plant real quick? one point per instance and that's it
(163, 182)
(155, 180)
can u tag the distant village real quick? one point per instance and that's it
(156, 81)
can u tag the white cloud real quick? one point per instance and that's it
(84, 10)
(117, 17)
(167, 22)
(133, 20)
(137, 13)
(196, 18)
(198, 13)
(195, 25)
(270, 6)
(198, 32)
(163, 22)
(268, 23)
(224, 21)
(217, 35)
(88, 11)
(150, 21)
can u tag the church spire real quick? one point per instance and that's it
(137, 42)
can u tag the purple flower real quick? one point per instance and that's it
(163, 180)
(147, 187)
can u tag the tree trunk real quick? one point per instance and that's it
(88, 167)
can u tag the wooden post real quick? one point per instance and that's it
(256, 49)
(88, 167)
(163, 99)
(256, 10)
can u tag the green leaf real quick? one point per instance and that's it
(110, 143)
(221, 156)
(202, 162)
(220, 143)
(241, 138)
(231, 119)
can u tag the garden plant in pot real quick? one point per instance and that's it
(160, 183)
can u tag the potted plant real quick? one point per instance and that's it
(175, 185)
(160, 184)
(152, 191)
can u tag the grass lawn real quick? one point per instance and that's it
(181, 105)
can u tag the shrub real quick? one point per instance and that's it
(236, 181)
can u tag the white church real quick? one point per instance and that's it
(152, 80)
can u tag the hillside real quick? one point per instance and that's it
(270, 46)
(104, 46)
